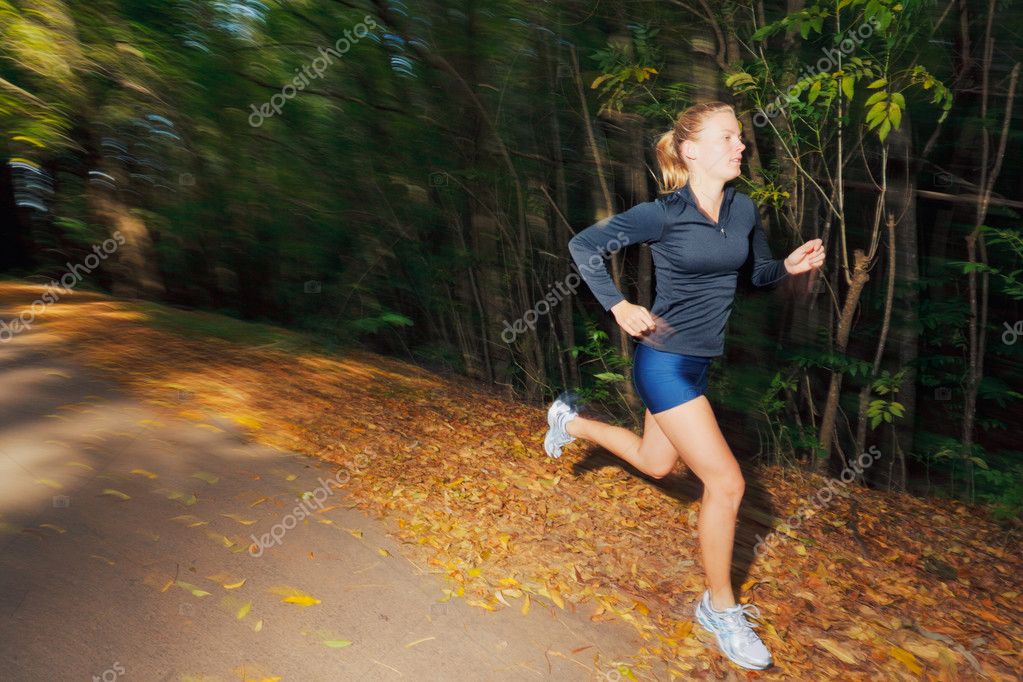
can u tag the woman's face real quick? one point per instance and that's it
(717, 150)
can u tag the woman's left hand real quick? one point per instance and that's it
(809, 256)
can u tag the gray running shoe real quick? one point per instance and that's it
(734, 633)
(563, 410)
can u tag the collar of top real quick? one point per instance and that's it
(685, 195)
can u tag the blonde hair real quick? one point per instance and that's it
(674, 172)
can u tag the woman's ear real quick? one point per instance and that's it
(687, 149)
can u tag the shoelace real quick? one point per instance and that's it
(734, 620)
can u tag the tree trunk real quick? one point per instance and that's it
(845, 324)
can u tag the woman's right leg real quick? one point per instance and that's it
(653, 454)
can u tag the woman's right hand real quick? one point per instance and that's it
(634, 319)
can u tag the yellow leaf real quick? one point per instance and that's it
(80, 464)
(683, 629)
(189, 520)
(641, 608)
(240, 519)
(244, 610)
(32, 140)
(206, 476)
(187, 500)
(294, 596)
(556, 597)
(53, 526)
(49, 482)
(192, 588)
(356, 533)
(219, 538)
(930, 650)
(525, 606)
(101, 558)
(907, 659)
(248, 421)
(418, 641)
(115, 493)
(839, 652)
(337, 643)
(383, 552)
(144, 472)
(226, 581)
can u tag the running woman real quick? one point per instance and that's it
(700, 233)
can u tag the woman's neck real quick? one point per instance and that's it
(708, 192)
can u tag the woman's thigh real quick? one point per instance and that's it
(693, 431)
(656, 449)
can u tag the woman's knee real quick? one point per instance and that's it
(662, 468)
(732, 486)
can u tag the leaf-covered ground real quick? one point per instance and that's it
(868, 586)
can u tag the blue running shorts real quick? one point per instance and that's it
(664, 380)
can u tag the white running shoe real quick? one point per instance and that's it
(561, 411)
(734, 633)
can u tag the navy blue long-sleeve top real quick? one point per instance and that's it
(696, 264)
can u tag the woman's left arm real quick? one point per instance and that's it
(767, 270)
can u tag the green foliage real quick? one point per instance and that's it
(612, 368)
(1003, 489)
(816, 92)
(624, 72)
(1013, 239)
(769, 194)
(832, 362)
(786, 439)
(886, 410)
(374, 323)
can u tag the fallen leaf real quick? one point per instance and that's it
(839, 653)
(240, 519)
(294, 596)
(189, 520)
(906, 658)
(192, 588)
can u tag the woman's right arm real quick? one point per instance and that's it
(643, 223)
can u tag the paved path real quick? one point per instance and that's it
(87, 579)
